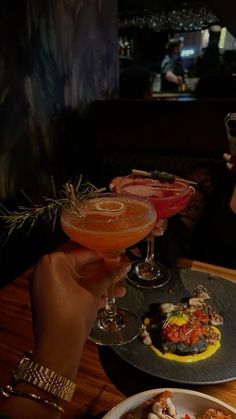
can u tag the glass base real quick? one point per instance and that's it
(123, 329)
(143, 277)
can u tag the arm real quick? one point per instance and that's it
(168, 70)
(67, 289)
(170, 76)
(231, 164)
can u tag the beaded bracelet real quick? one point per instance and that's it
(8, 391)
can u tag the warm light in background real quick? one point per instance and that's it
(222, 38)
(204, 38)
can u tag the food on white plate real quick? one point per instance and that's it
(159, 406)
(162, 406)
(214, 414)
(184, 332)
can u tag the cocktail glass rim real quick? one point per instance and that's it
(74, 214)
(122, 191)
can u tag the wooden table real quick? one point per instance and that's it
(95, 393)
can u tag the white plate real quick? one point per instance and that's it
(186, 402)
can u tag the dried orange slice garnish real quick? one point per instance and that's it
(110, 206)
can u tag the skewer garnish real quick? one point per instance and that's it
(161, 176)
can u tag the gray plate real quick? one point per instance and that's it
(219, 367)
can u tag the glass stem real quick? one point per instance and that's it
(150, 251)
(110, 307)
(111, 320)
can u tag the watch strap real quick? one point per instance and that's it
(44, 378)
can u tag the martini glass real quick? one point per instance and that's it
(168, 199)
(109, 223)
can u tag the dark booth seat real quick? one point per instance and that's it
(168, 135)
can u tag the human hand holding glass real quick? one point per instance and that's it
(168, 198)
(108, 224)
(67, 287)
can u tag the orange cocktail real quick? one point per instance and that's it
(109, 223)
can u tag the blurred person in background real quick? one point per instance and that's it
(222, 82)
(214, 241)
(172, 71)
(209, 60)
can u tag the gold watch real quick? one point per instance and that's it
(43, 378)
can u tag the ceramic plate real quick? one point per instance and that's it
(219, 367)
(186, 402)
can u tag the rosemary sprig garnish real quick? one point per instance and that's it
(50, 208)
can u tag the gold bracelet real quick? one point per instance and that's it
(8, 391)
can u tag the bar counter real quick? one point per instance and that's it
(183, 96)
(103, 379)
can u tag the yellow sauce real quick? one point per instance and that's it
(210, 350)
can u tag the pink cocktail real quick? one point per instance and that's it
(168, 198)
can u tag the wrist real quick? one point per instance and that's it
(61, 356)
(65, 363)
(43, 378)
(60, 347)
(38, 389)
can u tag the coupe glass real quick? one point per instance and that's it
(109, 223)
(168, 199)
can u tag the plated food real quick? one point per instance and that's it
(161, 406)
(184, 332)
(171, 403)
(218, 368)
